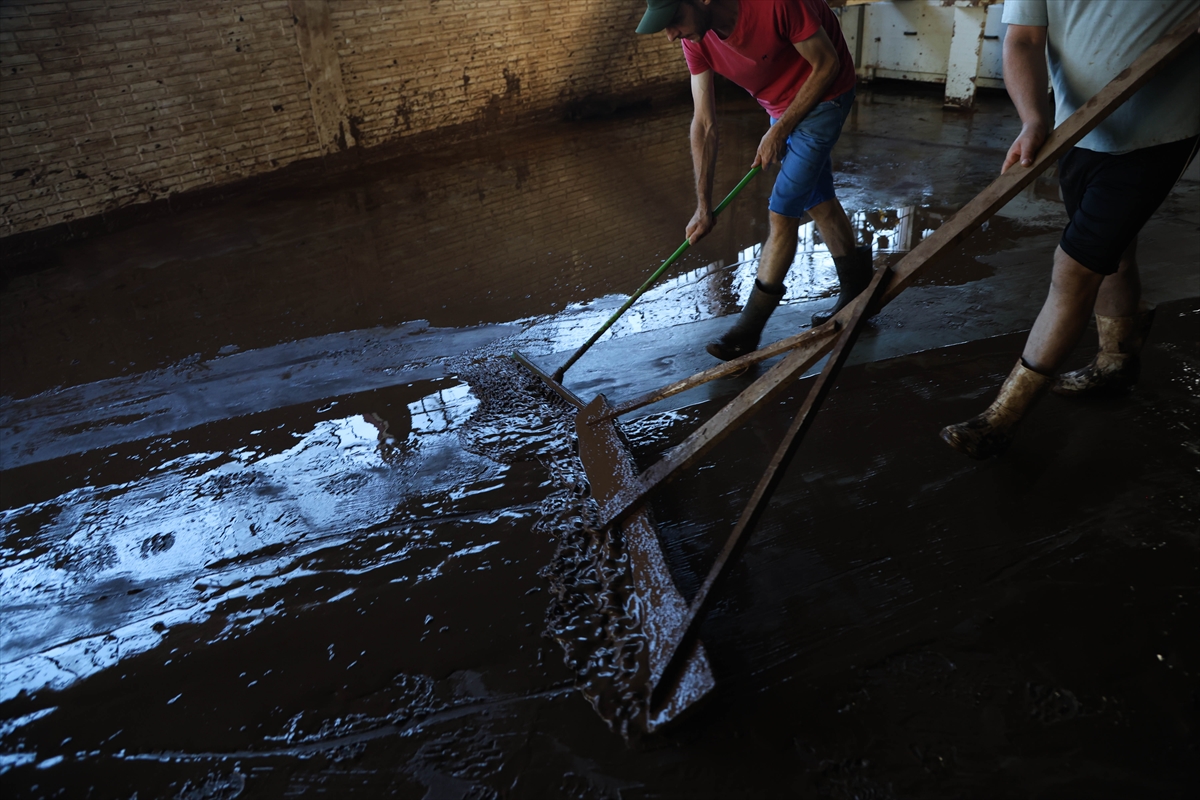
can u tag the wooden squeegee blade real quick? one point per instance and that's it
(610, 469)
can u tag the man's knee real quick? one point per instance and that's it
(1072, 278)
(828, 210)
(783, 228)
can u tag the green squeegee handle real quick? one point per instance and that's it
(558, 375)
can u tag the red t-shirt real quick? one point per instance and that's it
(760, 54)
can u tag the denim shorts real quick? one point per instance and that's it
(806, 177)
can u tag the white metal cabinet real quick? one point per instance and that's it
(957, 44)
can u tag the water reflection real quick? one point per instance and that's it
(812, 275)
(720, 288)
(101, 573)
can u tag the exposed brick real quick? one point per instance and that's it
(153, 97)
(83, 191)
(14, 149)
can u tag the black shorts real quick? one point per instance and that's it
(1110, 197)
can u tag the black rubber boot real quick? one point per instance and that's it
(743, 337)
(854, 273)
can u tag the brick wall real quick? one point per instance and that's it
(111, 103)
(106, 103)
(419, 66)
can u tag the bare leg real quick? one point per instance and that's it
(1121, 292)
(834, 226)
(779, 251)
(1073, 293)
(853, 264)
(1122, 326)
(1068, 307)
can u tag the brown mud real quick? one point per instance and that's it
(279, 519)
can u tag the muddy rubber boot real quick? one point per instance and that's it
(743, 337)
(990, 433)
(1117, 366)
(854, 273)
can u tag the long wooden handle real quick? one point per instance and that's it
(676, 643)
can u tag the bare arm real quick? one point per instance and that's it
(1025, 78)
(818, 51)
(704, 154)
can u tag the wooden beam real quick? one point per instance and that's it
(676, 643)
(731, 367)
(768, 387)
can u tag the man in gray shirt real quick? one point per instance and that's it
(1112, 182)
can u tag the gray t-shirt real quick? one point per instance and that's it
(1090, 41)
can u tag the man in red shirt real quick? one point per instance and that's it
(790, 55)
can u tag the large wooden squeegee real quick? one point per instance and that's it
(679, 670)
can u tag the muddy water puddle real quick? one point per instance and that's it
(360, 528)
(280, 519)
(350, 597)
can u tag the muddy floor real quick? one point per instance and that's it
(279, 518)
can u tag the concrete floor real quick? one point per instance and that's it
(266, 531)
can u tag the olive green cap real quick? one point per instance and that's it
(659, 14)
